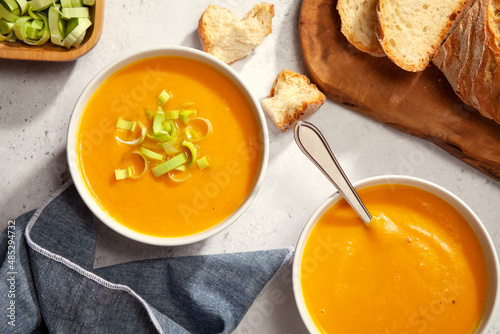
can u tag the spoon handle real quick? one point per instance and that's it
(312, 143)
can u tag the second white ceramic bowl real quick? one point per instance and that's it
(457, 203)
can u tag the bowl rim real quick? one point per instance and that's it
(474, 221)
(120, 62)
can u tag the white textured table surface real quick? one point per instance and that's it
(36, 101)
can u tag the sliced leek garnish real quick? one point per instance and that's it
(146, 164)
(122, 174)
(184, 115)
(203, 162)
(163, 98)
(151, 154)
(169, 147)
(123, 124)
(172, 114)
(194, 152)
(136, 141)
(169, 165)
(191, 134)
(174, 132)
(172, 177)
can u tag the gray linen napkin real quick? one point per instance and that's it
(49, 284)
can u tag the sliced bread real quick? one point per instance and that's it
(293, 97)
(410, 32)
(470, 58)
(229, 39)
(358, 20)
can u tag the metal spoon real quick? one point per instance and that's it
(312, 143)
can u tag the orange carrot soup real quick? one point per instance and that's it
(168, 146)
(417, 267)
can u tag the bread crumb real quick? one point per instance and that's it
(292, 98)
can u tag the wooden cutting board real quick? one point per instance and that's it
(421, 104)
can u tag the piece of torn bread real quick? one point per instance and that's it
(411, 32)
(292, 98)
(470, 58)
(229, 39)
(359, 21)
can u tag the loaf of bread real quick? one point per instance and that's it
(410, 32)
(358, 20)
(229, 39)
(469, 58)
(292, 98)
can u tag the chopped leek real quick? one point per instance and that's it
(184, 115)
(169, 147)
(169, 165)
(145, 164)
(194, 152)
(24, 30)
(135, 141)
(11, 5)
(38, 5)
(168, 131)
(167, 126)
(7, 15)
(195, 135)
(177, 180)
(126, 125)
(76, 12)
(57, 26)
(203, 162)
(63, 22)
(66, 3)
(172, 114)
(163, 97)
(23, 6)
(182, 168)
(6, 27)
(149, 113)
(162, 136)
(74, 35)
(121, 174)
(151, 154)
(157, 122)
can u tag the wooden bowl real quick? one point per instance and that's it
(52, 52)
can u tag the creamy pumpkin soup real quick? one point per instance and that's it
(168, 146)
(417, 267)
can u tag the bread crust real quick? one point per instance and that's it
(370, 46)
(469, 59)
(292, 108)
(393, 53)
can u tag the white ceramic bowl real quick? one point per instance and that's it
(470, 216)
(124, 61)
